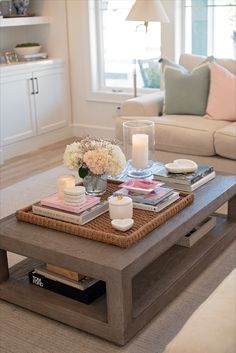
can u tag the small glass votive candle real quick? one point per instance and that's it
(120, 207)
(63, 182)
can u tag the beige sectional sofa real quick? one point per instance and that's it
(186, 136)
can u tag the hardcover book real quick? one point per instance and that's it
(152, 198)
(183, 178)
(55, 202)
(82, 284)
(64, 272)
(85, 296)
(160, 206)
(81, 218)
(195, 186)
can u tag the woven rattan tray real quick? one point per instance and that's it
(100, 229)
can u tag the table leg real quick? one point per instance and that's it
(119, 303)
(4, 272)
(232, 208)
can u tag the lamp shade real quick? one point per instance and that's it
(147, 11)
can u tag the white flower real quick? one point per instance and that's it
(117, 162)
(73, 155)
(99, 156)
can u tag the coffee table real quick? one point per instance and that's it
(140, 280)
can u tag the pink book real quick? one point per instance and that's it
(54, 202)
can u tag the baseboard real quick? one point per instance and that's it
(93, 130)
(33, 143)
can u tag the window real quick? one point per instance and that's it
(210, 27)
(123, 46)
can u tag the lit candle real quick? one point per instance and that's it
(63, 182)
(140, 151)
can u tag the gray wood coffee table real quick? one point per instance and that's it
(140, 280)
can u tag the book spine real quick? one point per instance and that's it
(145, 207)
(86, 296)
(201, 175)
(83, 218)
(51, 213)
(70, 208)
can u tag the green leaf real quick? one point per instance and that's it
(83, 171)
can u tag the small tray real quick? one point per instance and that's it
(100, 229)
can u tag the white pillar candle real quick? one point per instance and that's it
(140, 151)
(63, 182)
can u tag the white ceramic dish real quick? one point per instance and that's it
(181, 166)
(122, 224)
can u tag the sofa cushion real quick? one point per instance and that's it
(187, 134)
(225, 141)
(190, 61)
(212, 326)
(221, 102)
(186, 92)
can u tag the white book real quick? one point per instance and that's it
(82, 284)
(190, 188)
(81, 218)
(160, 206)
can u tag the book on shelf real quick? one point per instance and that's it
(160, 206)
(183, 178)
(82, 284)
(86, 296)
(75, 218)
(55, 202)
(64, 272)
(197, 233)
(153, 198)
(192, 187)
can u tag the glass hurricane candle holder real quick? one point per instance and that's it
(139, 147)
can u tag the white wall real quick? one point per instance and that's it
(88, 116)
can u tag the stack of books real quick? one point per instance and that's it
(185, 182)
(53, 207)
(68, 283)
(148, 195)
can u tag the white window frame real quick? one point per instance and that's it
(98, 91)
(211, 23)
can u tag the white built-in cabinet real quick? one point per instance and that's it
(33, 102)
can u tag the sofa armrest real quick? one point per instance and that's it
(146, 105)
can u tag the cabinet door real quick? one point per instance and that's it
(50, 99)
(16, 108)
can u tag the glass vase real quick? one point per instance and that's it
(94, 184)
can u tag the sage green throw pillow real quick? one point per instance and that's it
(186, 92)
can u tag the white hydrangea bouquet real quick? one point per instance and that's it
(96, 156)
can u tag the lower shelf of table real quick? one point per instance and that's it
(164, 278)
(153, 287)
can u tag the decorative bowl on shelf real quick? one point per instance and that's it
(27, 49)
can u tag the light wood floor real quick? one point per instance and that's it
(27, 165)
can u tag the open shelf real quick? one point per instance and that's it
(46, 302)
(164, 278)
(24, 21)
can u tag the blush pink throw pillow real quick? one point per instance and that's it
(222, 97)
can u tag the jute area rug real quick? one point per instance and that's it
(22, 331)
